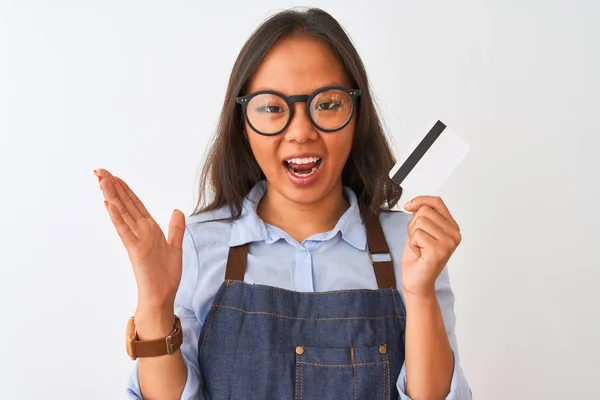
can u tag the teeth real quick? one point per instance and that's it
(305, 173)
(305, 160)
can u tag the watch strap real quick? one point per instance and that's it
(153, 348)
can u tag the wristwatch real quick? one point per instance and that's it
(153, 348)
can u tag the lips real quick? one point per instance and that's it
(303, 170)
(295, 167)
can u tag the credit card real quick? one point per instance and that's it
(428, 161)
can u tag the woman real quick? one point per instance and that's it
(294, 279)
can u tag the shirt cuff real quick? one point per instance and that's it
(459, 387)
(191, 391)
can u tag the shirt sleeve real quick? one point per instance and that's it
(459, 387)
(190, 324)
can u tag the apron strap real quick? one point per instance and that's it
(236, 263)
(384, 270)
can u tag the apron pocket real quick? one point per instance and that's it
(342, 373)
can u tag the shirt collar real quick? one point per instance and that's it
(251, 228)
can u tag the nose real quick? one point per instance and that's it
(300, 129)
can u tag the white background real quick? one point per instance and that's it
(136, 87)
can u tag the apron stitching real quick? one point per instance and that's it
(343, 365)
(304, 318)
(301, 372)
(388, 374)
(383, 379)
(395, 306)
(353, 370)
(297, 389)
(212, 320)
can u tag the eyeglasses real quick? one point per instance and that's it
(269, 113)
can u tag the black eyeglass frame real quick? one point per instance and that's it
(290, 100)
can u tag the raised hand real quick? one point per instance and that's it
(156, 261)
(433, 235)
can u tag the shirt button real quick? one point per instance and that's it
(304, 253)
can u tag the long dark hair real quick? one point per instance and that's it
(230, 170)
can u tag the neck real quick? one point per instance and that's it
(302, 220)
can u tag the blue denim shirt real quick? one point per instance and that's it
(333, 260)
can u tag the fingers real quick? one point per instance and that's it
(432, 227)
(427, 225)
(136, 201)
(176, 230)
(429, 220)
(127, 236)
(434, 202)
(416, 249)
(126, 200)
(434, 251)
(114, 193)
(422, 239)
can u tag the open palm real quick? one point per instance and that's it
(156, 261)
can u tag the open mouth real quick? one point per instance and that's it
(303, 167)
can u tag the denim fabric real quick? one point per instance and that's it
(248, 345)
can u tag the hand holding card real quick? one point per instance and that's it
(433, 234)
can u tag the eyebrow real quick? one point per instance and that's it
(334, 83)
